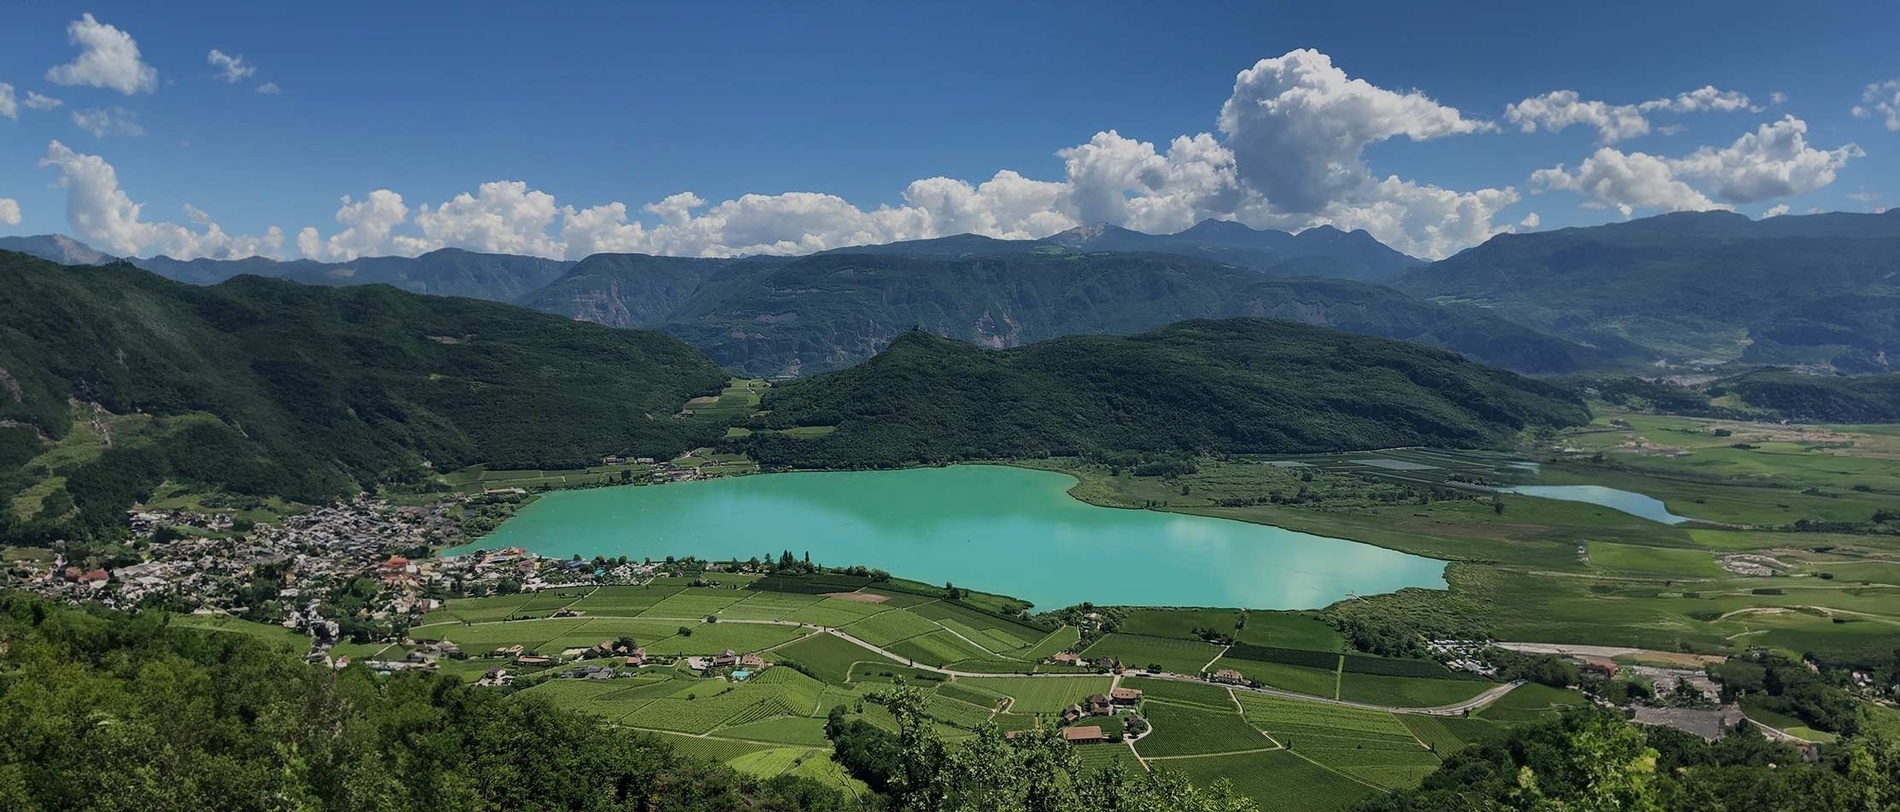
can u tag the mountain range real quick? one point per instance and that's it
(1688, 289)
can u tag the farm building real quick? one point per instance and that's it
(1083, 734)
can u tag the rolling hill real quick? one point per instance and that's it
(267, 387)
(1708, 287)
(1227, 386)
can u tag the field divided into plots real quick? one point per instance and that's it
(837, 644)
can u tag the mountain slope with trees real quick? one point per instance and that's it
(1230, 386)
(767, 316)
(1696, 286)
(267, 387)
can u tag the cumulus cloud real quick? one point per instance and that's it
(1288, 152)
(9, 211)
(1775, 211)
(104, 122)
(1561, 109)
(503, 217)
(368, 225)
(108, 58)
(1881, 99)
(1627, 181)
(1775, 160)
(9, 106)
(104, 215)
(40, 102)
(1298, 127)
(231, 69)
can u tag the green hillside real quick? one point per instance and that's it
(261, 386)
(1232, 386)
(1708, 286)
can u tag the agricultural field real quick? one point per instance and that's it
(1140, 651)
(1034, 695)
(1275, 780)
(1190, 730)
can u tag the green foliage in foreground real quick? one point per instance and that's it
(1592, 760)
(265, 387)
(110, 711)
(1234, 386)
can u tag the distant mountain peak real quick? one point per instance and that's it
(56, 248)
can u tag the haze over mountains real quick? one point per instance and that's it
(1688, 288)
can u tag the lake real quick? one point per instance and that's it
(1634, 504)
(992, 528)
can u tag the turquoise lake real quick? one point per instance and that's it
(1634, 504)
(1006, 530)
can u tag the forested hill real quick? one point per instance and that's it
(1696, 286)
(262, 386)
(1231, 386)
(769, 317)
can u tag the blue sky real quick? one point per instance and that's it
(1403, 119)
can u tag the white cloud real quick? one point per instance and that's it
(9, 211)
(1882, 98)
(1560, 109)
(1775, 211)
(1625, 180)
(1530, 221)
(1298, 128)
(197, 215)
(108, 58)
(9, 106)
(1773, 161)
(1705, 99)
(1120, 180)
(367, 227)
(39, 102)
(269, 89)
(231, 69)
(1777, 97)
(104, 122)
(503, 217)
(103, 215)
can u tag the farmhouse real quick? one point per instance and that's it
(1101, 705)
(1064, 658)
(637, 657)
(1125, 696)
(725, 658)
(752, 661)
(1071, 713)
(533, 660)
(1084, 734)
(1598, 666)
(1229, 676)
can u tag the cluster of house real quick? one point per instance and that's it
(486, 570)
(662, 471)
(212, 565)
(1462, 655)
(1107, 704)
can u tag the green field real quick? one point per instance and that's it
(1205, 695)
(1140, 651)
(1408, 692)
(1033, 695)
(1275, 780)
(1191, 730)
